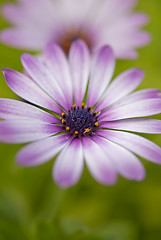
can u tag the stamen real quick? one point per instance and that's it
(87, 130)
(63, 121)
(80, 120)
(63, 114)
(82, 105)
(95, 113)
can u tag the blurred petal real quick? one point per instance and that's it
(99, 163)
(21, 131)
(14, 109)
(68, 166)
(137, 109)
(41, 151)
(137, 144)
(142, 125)
(126, 163)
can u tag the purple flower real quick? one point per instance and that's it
(36, 23)
(88, 128)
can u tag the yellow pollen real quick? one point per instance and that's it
(87, 130)
(95, 112)
(63, 121)
(82, 104)
(76, 132)
(63, 114)
(74, 106)
(96, 124)
(67, 128)
(89, 107)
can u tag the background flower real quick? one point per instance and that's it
(99, 22)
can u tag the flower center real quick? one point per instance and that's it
(80, 120)
(66, 39)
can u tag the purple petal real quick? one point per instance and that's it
(99, 163)
(102, 71)
(69, 164)
(137, 144)
(137, 109)
(12, 13)
(41, 151)
(21, 131)
(79, 63)
(26, 88)
(126, 163)
(14, 109)
(21, 38)
(142, 125)
(59, 67)
(121, 86)
(44, 78)
(142, 95)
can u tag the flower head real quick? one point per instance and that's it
(96, 126)
(112, 22)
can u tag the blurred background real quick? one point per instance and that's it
(32, 207)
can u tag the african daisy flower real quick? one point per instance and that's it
(36, 23)
(83, 128)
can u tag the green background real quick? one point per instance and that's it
(33, 207)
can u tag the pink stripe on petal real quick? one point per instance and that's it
(137, 109)
(26, 88)
(41, 151)
(79, 63)
(21, 131)
(141, 95)
(59, 67)
(69, 164)
(137, 144)
(102, 71)
(121, 86)
(143, 125)
(99, 163)
(126, 163)
(14, 109)
(43, 77)
(21, 38)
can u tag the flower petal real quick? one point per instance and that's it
(121, 86)
(41, 151)
(137, 144)
(14, 109)
(79, 63)
(142, 125)
(21, 131)
(102, 71)
(136, 109)
(58, 65)
(40, 74)
(141, 95)
(126, 163)
(99, 163)
(21, 38)
(69, 164)
(26, 88)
